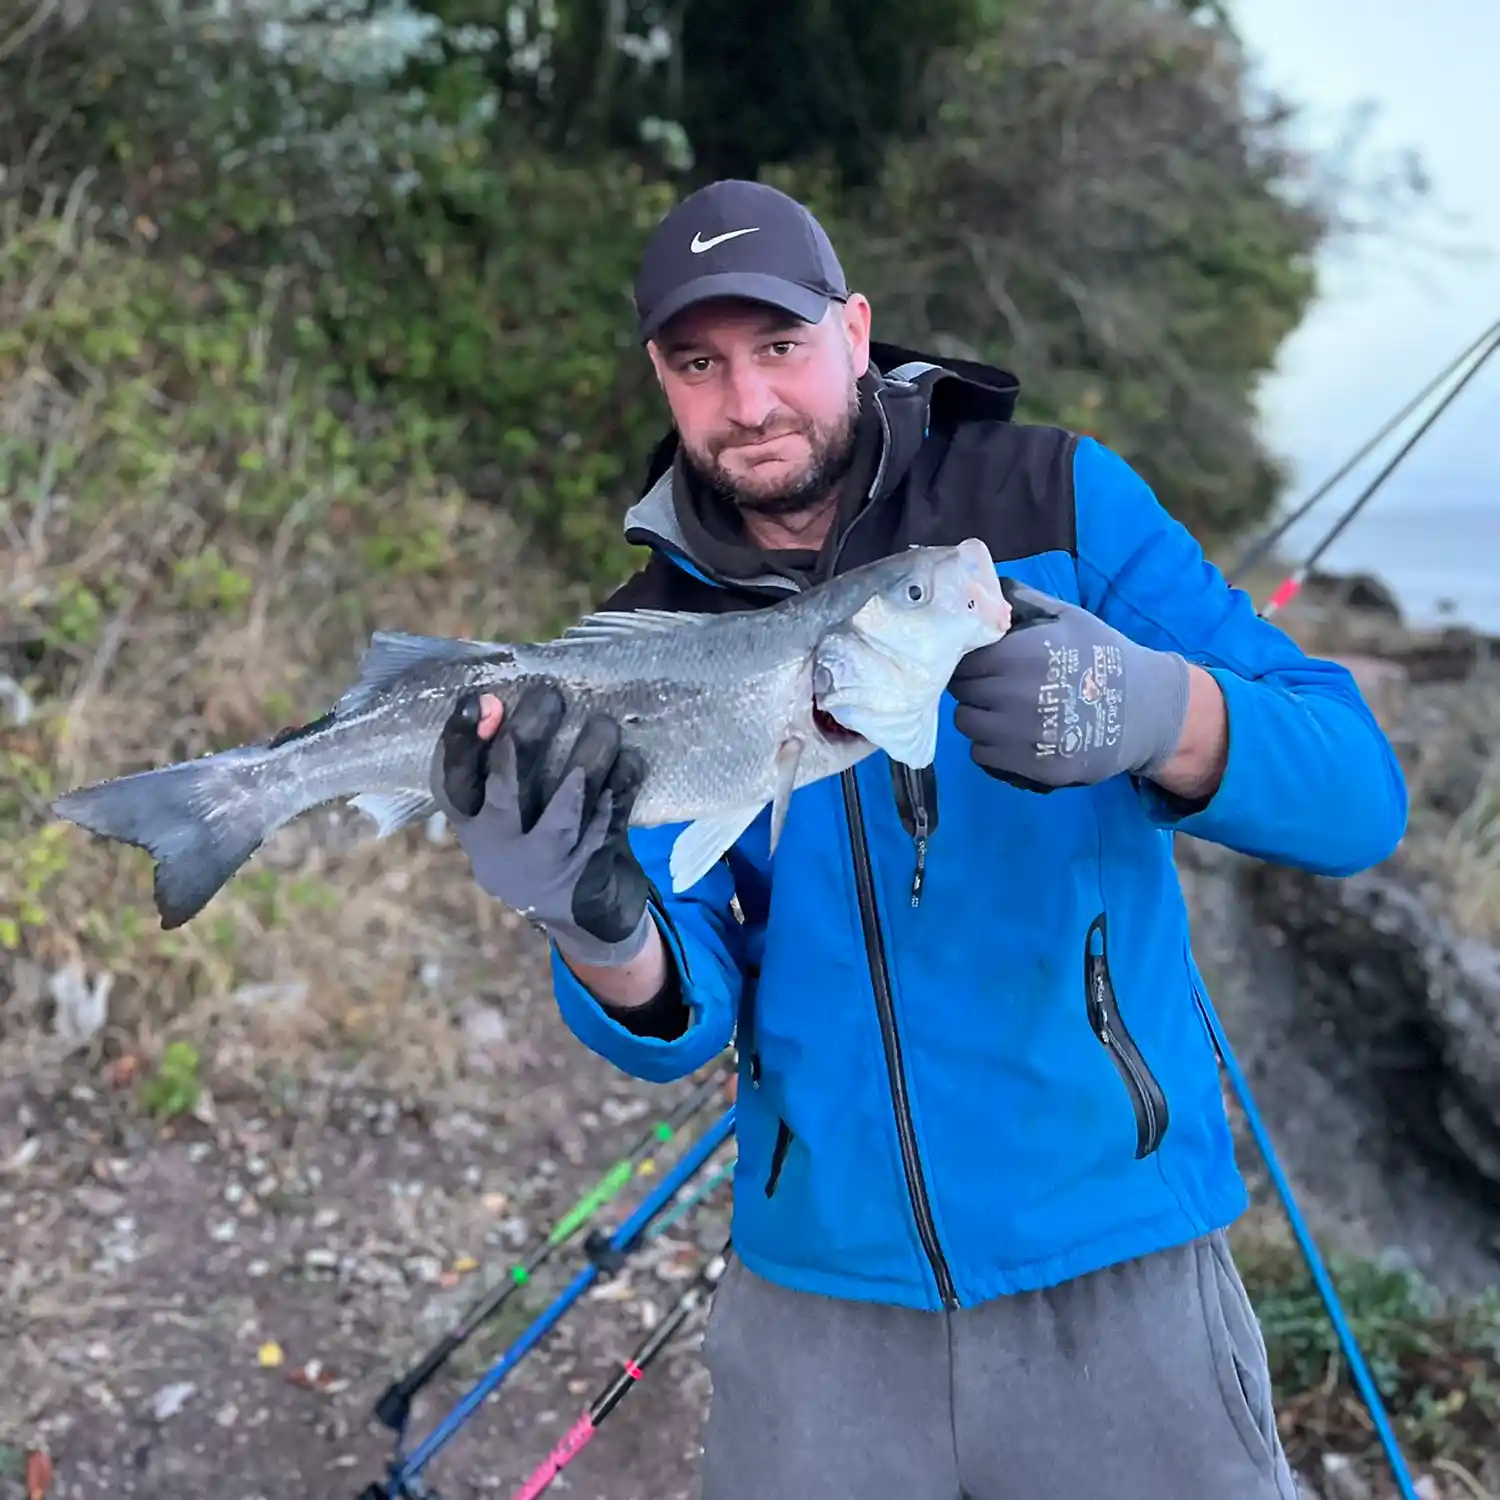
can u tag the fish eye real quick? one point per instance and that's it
(915, 592)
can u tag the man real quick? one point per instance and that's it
(984, 1166)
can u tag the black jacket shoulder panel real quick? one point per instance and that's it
(1009, 484)
(662, 584)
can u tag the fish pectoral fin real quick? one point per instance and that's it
(393, 810)
(393, 653)
(701, 845)
(606, 624)
(907, 735)
(788, 757)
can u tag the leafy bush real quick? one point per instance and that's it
(440, 203)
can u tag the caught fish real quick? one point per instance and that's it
(731, 713)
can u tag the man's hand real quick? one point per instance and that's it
(1065, 700)
(557, 853)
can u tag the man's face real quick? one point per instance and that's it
(765, 405)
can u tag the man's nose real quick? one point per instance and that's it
(749, 400)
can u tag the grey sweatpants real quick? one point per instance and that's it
(1145, 1381)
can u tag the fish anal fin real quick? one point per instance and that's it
(391, 811)
(702, 844)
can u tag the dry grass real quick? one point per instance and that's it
(1472, 857)
(1452, 751)
(196, 548)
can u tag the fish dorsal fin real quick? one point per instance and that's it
(393, 653)
(615, 624)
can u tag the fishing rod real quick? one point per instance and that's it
(605, 1255)
(686, 1205)
(630, 1371)
(1289, 587)
(1261, 548)
(393, 1409)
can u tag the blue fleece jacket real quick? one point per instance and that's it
(1013, 1082)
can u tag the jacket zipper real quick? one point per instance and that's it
(879, 972)
(1146, 1097)
(881, 980)
(875, 956)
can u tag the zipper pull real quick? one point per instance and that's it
(1096, 995)
(921, 843)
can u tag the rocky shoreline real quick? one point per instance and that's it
(1366, 1011)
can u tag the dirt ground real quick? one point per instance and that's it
(144, 1268)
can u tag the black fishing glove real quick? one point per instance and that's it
(557, 853)
(1062, 699)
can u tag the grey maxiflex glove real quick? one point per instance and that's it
(1062, 699)
(558, 854)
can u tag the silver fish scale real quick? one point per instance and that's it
(708, 712)
(708, 703)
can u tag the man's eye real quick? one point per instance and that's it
(783, 346)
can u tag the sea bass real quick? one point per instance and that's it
(731, 713)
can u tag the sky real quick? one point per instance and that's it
(1389, 321)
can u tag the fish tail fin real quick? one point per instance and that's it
(195, 819)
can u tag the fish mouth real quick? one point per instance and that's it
(831, 729)
(824, 722)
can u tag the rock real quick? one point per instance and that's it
(1341, 1480)
(102, 1202)
(485, 1032)
(170, 1399)
(81, 1005)
(1418, 1002)
(1357, 591)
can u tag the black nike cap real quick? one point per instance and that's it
(737, 239)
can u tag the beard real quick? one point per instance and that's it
(830, 455)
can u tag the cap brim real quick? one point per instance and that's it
(753, 286)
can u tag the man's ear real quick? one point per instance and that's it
(857, 317)
(655, 355)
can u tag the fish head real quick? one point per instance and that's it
(881, 671)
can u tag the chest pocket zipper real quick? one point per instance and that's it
(778, 1155)
(1146, 1096)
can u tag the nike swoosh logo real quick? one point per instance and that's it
(700, 244)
